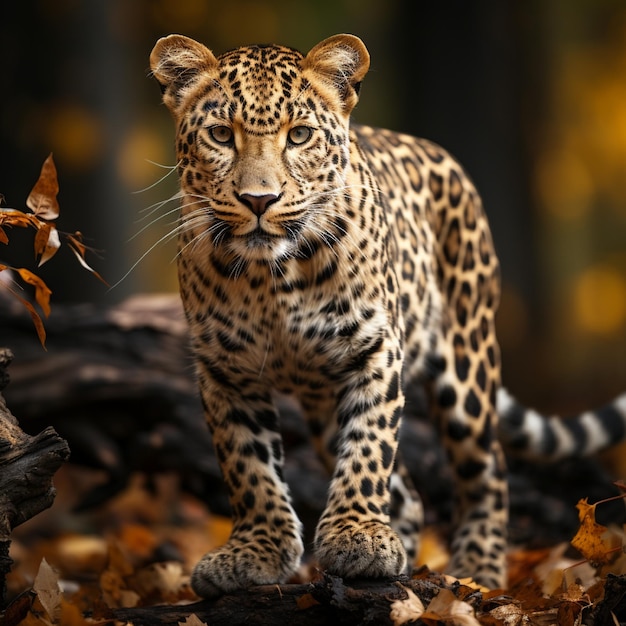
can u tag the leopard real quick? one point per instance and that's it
(341, 264)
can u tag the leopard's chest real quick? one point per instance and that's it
(292, 332)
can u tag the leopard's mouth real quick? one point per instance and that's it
(258, 245)
(260, 238)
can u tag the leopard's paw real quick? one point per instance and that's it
(239, 565)
(370, 549)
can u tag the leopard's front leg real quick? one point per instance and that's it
(265, 545)
(353, 536)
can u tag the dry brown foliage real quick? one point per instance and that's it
(44, 211)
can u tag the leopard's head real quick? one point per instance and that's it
(261, 140)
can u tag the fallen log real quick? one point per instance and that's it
(330, 600)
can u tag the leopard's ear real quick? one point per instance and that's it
(342, 62)
(176, 63)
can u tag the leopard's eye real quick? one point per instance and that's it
(299, 135)
(221, 134)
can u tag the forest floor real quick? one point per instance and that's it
(137, 550)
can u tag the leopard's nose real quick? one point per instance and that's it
(258, 204)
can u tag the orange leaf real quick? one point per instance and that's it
(113, 580)
(41, 331)
(47, 242)
(76, 240)
(12, 217)
(138, 539)
(79, 248)
(42, 293)
(71, 615)
(589, 539)
(3, 236)
(42, 200)
(306, 601)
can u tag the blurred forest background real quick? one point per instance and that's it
(530, 96)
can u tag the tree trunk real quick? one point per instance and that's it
(27, 465)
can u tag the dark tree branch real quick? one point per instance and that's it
(328, 601)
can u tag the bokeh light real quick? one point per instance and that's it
(599, 300)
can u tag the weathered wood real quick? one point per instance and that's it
(118, 384)
(27, 465)
(328, 601)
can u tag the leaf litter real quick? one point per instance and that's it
(145, 560)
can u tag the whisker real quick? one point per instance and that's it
(176, 209)
(171, 168)
(306, 231)
(206, 232)
(151, 223)
(165, 238)
(149, 210)
(188, 222)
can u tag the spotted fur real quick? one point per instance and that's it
(342, 264)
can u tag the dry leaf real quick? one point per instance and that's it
(557, 572)
(12, 217)
(39, 328)
(72, 616)
(166, 581)
(42, 293)
(593, 540)
(193, 620)
(79, 248)
(45, 208)
(569, 614)
(137, 539)
(617, 536)
(113, 582)
(42, 200)
(446, 608)
(47, 242)
(509, 615)
(408, 610)
(18, 608)
(306, 601)
(46, 586)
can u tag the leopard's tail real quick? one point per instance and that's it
(527, 434)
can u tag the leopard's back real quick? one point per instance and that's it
(445, 259)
